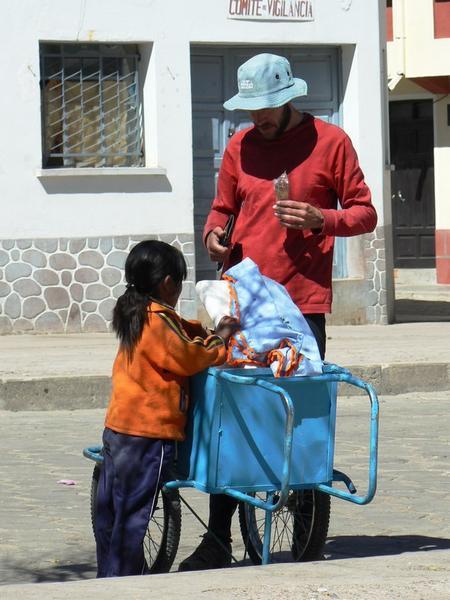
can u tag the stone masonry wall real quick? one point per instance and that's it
(375, 258)
(71, 285)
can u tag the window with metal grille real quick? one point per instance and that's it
(91, 105)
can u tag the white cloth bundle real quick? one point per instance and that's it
(215, 297)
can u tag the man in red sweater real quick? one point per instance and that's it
(291, 240)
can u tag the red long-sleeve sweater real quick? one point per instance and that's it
(322, 168)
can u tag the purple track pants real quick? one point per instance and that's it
(133, 472)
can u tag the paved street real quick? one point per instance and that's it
(45, 527)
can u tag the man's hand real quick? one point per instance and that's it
(216, 251)
(298, 215)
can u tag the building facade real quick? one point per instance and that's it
(418, 50)
(114, 130)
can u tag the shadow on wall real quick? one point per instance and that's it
(105, 184)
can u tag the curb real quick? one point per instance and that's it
(409, 576)
(82, 392)
(400, 378)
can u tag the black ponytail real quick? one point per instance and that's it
(147, 265)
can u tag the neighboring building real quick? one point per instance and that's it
(113, 131)
(418, 50)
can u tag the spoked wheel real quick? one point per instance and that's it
(163, 531)
(299, 529)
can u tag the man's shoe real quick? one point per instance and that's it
(208, 555)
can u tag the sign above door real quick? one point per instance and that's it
(271, 10)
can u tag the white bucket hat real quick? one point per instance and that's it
(265, 81)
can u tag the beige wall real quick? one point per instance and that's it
(415, 52)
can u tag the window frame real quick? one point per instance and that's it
(121, 53)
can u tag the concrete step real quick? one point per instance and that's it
(425, 292)
(409, 576)
(73, 371)
(414, 276)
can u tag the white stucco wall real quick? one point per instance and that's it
(79, 208)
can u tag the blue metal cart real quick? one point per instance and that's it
(268, 442)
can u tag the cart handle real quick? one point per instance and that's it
(336, 373)
(331, 373)
(94, 453)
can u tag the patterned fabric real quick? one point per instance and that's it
(273, 330)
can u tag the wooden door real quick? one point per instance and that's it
(412, 183)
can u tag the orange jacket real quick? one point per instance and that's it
(150, 394)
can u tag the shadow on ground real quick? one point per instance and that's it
(417, 311)
(17, 572)
(360, 546)
(339, 547)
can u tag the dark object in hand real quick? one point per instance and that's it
(226, 236)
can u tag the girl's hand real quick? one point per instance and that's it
(227, 327)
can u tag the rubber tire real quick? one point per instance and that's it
(171, 527)
(308, 507)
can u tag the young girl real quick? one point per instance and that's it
(147, 411)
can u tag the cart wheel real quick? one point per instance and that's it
(299, 529)
(163, 531)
